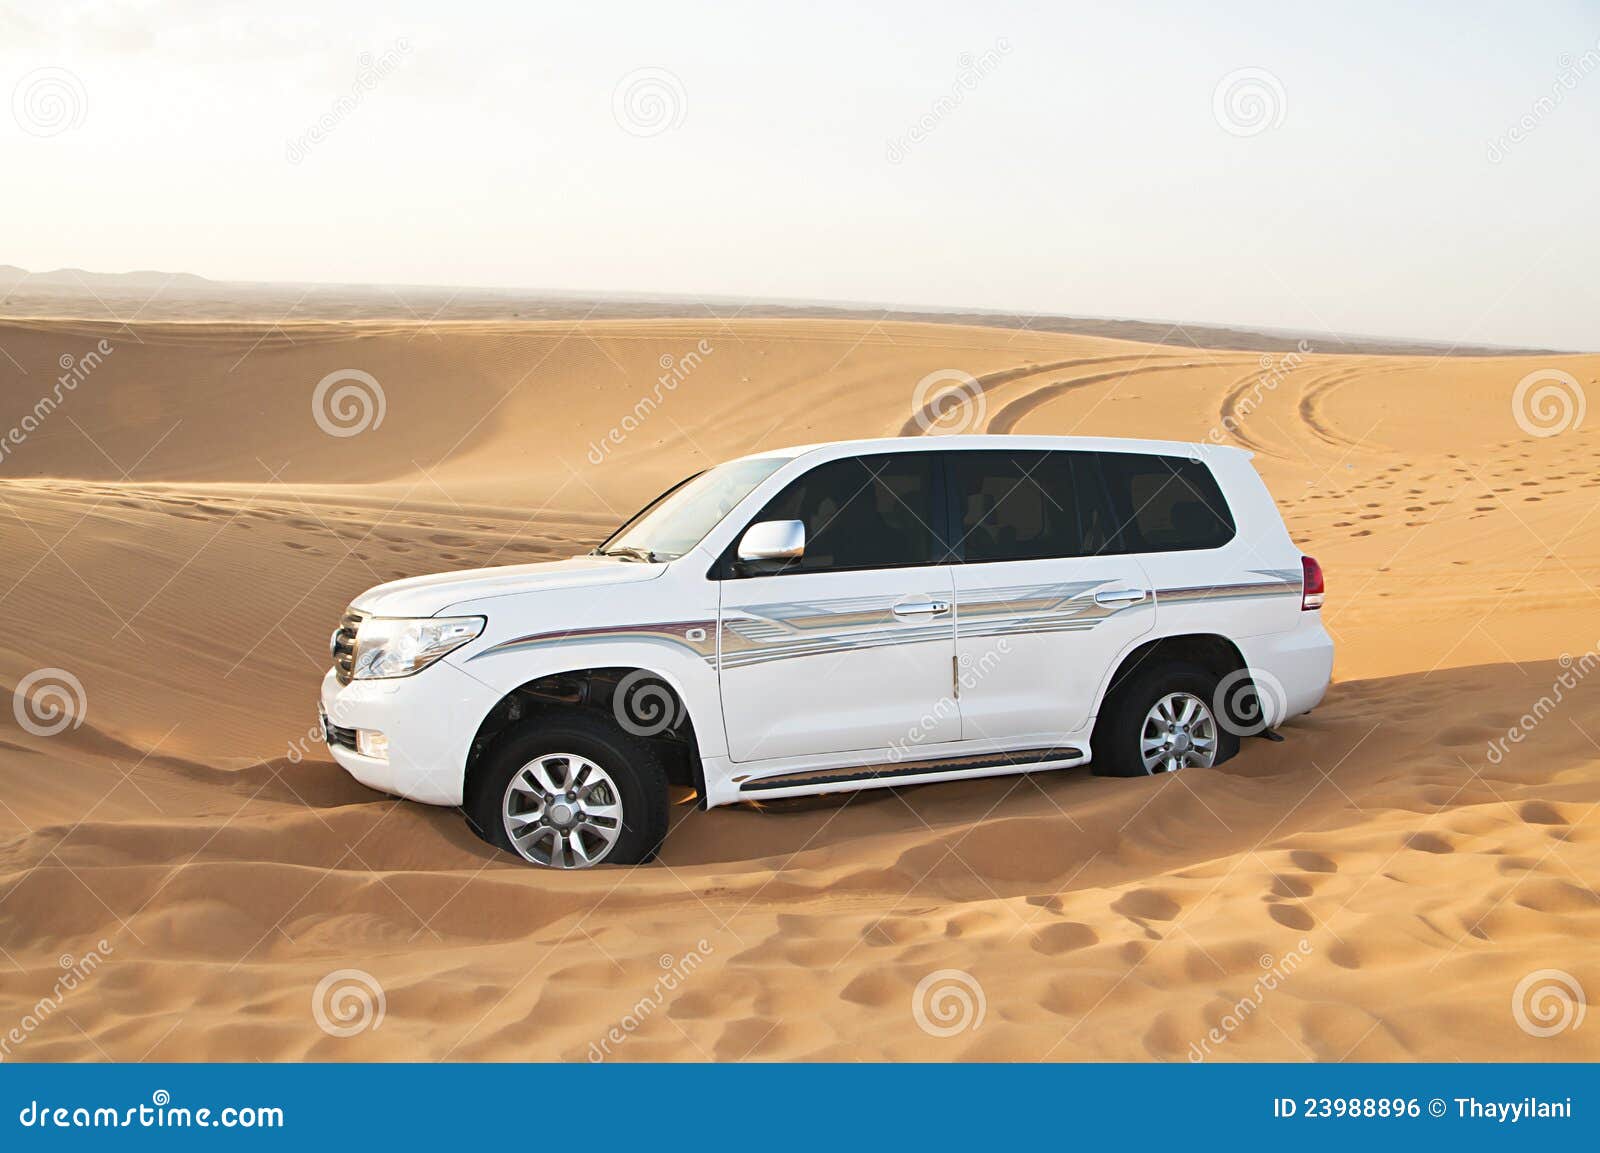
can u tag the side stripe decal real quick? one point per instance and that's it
(758, 634)
(699, 637)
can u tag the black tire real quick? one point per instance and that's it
(631, 763)
(1115, 742)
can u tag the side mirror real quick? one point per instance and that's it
(773, 540)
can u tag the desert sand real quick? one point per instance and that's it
(179, 534)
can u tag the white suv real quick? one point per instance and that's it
(840, 617)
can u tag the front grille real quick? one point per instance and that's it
(341, 738)
(344, 645)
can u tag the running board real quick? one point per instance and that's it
(852, 774)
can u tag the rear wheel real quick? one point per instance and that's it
(1161, 720)
(570, 793)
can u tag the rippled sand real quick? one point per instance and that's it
(180, 534)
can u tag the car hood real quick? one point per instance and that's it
(427, 596)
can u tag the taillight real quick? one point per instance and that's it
(1311, 595)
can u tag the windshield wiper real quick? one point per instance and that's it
(628, 552)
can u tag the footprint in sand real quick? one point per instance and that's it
(1133, 952)
(1291, 887)
(1307, 861)
(1064, 937)
(1345, 955)
(970, 922)
(1429, 843)
(1146, 905)
(1540, 813)
(1292, 917)
(873, 988)
(749, 1037)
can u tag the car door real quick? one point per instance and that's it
(850, 648)
(1177, 519)
(1043, 610)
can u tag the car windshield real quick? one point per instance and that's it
(679, 518)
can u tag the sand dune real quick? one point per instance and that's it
(180, 534)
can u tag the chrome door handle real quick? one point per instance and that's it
(1119, 597)
(921, 608)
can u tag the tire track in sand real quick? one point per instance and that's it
(1319, 388)
(1011, 414)
(918, 423)
(1232, 419)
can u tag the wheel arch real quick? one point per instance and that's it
(647, 701)
(1211, 651)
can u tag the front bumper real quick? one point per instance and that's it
(430, 719)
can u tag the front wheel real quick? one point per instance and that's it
(1161, 720)
(571, 793)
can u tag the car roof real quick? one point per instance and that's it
(964, 442)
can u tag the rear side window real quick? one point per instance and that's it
(1159, 504)
(865, 512)
(1015, 506)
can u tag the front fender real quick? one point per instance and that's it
(682, 654)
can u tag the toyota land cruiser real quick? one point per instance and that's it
(840, 617)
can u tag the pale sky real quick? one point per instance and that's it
(1066, 158)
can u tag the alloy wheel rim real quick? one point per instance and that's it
(562, 811)
(1179, 732)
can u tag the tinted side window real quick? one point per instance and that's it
(864, 512)
(1015, 505)
(1162, 504)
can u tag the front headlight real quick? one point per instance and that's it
(396, 647)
